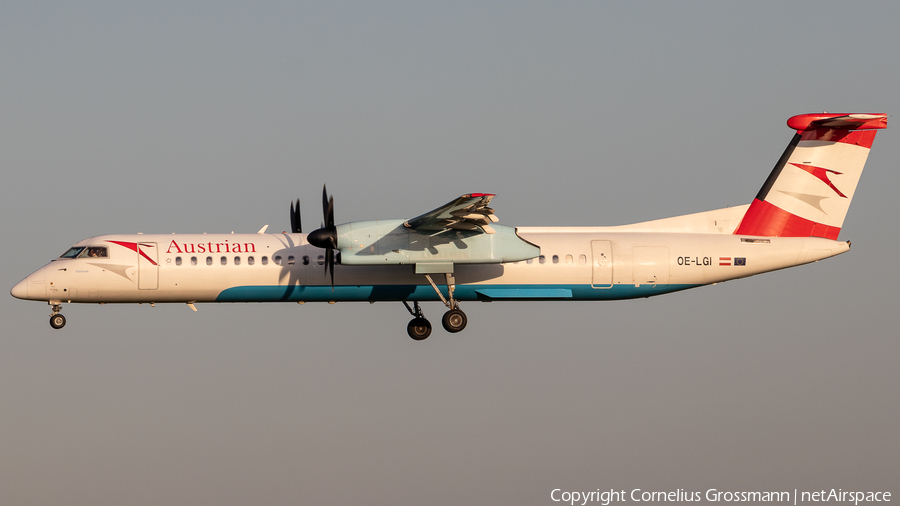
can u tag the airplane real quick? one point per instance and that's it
(460, 253)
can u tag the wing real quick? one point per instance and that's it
(469, 212)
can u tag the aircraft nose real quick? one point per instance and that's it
(20, 291)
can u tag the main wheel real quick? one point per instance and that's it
(454, 320)
(57, 321)
(419, 329)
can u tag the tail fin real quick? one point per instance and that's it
(809, 190)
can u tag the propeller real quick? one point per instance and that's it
(296, 226)
(326, 237)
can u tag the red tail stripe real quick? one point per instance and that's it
(862, 138)
(765, 219)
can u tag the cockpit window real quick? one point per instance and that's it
(73, 252)
(95, 252)
(86, 252)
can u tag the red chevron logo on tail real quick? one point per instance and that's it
(822, 174)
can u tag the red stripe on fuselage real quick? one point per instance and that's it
(765, 219)
(133, 246)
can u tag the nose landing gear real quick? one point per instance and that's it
(57, 321)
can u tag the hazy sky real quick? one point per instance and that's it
(123, 117)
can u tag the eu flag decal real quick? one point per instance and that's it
(740, 261)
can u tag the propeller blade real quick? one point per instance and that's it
(296, 225)
(324, 205)
(330, 219)
(329, 264)
(325, 237)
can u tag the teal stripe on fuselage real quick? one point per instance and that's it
(369, 293)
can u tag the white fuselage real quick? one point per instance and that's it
(576, 263)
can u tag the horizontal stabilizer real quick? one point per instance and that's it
(805, 122)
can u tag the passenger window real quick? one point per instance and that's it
(305, 259)
(582, 259)
(277, 260)
(237, 260)
(250, 260)
(208, 260)
(177, 260)
(320, 260)
(193, 260)
(265, 260)
(542, 259)
(556, 259)
(291, 260)
(223, 261)
(569, 260)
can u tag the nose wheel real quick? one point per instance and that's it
(57, 320)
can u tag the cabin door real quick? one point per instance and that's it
(148, 266)
(602, 264)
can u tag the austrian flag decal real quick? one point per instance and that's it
(727, 261)
(724, 261)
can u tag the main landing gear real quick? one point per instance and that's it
(453, 320)
(57, 321)
(418, 328)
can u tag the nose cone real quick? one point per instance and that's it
(20, 291)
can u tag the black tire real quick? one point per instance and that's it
(454, 320)
(419, 329)
(57, 321)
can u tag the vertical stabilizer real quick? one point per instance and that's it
(809, 190)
